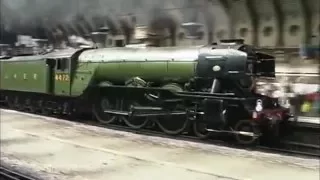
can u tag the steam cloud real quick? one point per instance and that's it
(48, 18)
(38, 17)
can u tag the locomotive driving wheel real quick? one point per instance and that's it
(101, 106)
(134, 122)
(246, 126)
(200, 130)
(173, 125)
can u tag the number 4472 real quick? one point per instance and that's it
(62, 77)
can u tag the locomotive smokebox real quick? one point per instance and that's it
(222, 63)
(231, 58)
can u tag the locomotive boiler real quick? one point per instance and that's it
(204, 90)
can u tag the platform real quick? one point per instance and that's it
(307, 120)
(55, 149)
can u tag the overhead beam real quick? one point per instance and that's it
(279, 17)
(254, 20)
(307, 16)
(227, 9)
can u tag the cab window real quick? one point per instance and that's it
(63, 64)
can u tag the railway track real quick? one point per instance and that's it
(7, 174)
(308, 147)
(284, 147)
(306, 150)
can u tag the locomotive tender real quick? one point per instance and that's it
(206, 89)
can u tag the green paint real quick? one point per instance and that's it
(164, 65)
(87, 73)
(84, 74)
(148, 71)
(62, 84)
(24, 75)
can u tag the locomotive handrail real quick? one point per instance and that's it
(221, 96)
(84, 71)
(148, 111)
(208, 96)
(213, 94)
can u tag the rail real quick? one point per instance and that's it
(285, 147)
(8, 174)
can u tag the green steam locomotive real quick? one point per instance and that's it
(204, 90)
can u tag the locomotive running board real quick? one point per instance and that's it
(116, 112)
(219, 96)
(159, 114)
(135, 114)
(244, 133)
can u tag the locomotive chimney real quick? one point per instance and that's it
(42, 45)
(193, 31)
(100, 37)
(59, 42)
